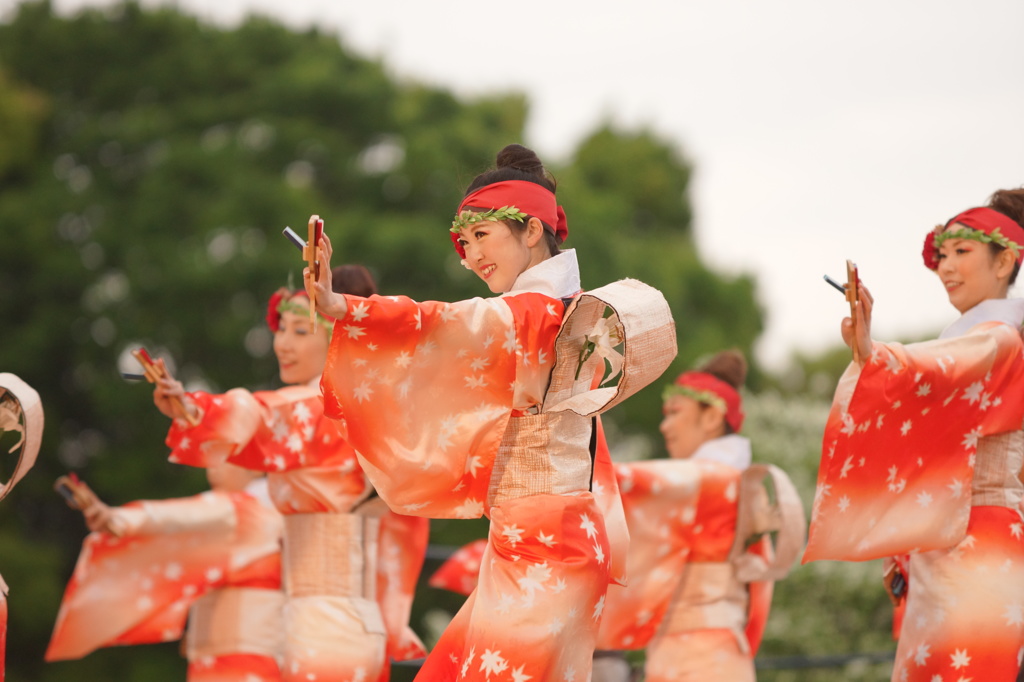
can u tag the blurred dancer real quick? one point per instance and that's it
(701, 559)
(347, 611)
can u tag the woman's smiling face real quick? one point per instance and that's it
(301, 352)
(496, 253)
(687, 424)
(971, 273)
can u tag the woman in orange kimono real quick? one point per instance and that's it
(922, 455)
(701, 560)
(21, 412)
(214, 557)
(350, 566)
(487, 406)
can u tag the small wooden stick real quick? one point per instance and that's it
(852, 296)
(316, 228)
(153, 373)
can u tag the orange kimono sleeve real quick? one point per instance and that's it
(898, 454)
(227, 423)
(460, 572)
(401, 548)
(605, 486)
(137, 588)
(660, 499)
(270, 431)
(427, 391)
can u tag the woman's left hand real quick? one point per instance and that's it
(98, 516)
(327, 302)
(858, 336)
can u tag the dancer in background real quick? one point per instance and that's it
(21, 412)
(350, 566)
(214, 557)
(487, 406)
(702, 560)
(923, 451)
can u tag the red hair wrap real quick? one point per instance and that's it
(529, 197)
(702, 382)
(277, 302)
(986, 220)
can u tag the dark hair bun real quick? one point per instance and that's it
(515, 162)
(352, 279)
(519, 157)
(1009, 202)
(728, 365)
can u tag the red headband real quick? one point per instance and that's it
(282, 295)
(704, 388)
(529, 197)
(986, 220)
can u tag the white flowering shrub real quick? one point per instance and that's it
(824, 609)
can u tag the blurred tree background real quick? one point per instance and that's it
(148, 163)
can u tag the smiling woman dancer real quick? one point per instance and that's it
(346, 614)
(485, 407)
(922, 456)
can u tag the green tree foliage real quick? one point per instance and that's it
(148, 163)
(626, 195)
(22, 114)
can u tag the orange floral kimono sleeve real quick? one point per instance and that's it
(898, 454)
(660, 499)
(401, 549)
(228, 422)
(137, 588)
(460, 572)
(427, 390)
(268, 431)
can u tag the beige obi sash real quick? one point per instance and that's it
(330, 555)
(997, 464)
(542, 454)
(709, 597)
(236, 620)
(627, 325)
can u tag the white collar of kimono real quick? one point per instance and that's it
(733, 450)
(557, 277)
(259, 488)
(1007, 310)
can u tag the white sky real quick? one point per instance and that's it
(820, 130)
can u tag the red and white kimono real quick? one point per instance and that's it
(350, 565)
(484, 407)
(698, 596)
(214, 558)
(922, 453)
